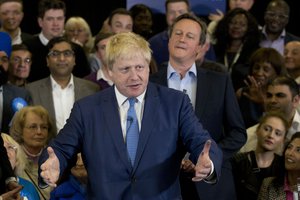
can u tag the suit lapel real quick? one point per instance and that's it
(79, 90)
(151, 108)
(45, 94)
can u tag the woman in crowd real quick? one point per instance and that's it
(32, 129)
(252, 167)
(237, 37)
(264, 65)
(284, 185)
(78, 31)
(18, 163)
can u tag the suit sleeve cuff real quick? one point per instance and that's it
(211, 178)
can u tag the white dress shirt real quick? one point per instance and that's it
(123, 105)
(63, 100)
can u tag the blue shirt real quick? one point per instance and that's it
(277, 44)
(186, 84)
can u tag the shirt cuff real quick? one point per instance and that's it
(9, 179)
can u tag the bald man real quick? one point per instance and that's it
(292, 59)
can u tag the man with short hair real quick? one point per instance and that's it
(19, 65)
(58, 92)
(132, 135)
(120, 21)
(276, 18)
(159, 42)
(212, 96)
(282, 95)
(11, 16)
(292, 59)
(12, 98)
(51, 19)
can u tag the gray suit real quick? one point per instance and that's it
(41, 93)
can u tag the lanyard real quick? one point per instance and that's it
(236, 57)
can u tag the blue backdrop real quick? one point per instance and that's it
(199, 7)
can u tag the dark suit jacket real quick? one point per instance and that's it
(41, 92)
(26, 36)
(39, 69)
(5, 167)
(168, 125)
(217, 108)
(10, 92)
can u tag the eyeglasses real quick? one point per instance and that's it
(18, 60)
(276, 15)
(35, 127)
(56, 54)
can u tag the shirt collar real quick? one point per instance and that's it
(43, 39)
(296, 121)
(100, 75)
(282, 35)
(171, 70)
(54, 84)
(122, 99)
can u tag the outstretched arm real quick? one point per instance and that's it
(50, 168)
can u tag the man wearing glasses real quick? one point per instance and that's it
(276, 19)
(61, 89)
(10, 95)
(19, 65)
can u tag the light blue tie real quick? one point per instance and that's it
(132, 134)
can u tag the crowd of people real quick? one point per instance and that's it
(197, 111)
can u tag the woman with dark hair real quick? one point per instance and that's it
(264, 65)
(285, 184)
(237, 37)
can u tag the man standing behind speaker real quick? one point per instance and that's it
(9, 94)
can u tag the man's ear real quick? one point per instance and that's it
(296, 100)
(40, 21)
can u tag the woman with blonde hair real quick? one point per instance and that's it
(18, 163)
(78, 30)
(32, 129)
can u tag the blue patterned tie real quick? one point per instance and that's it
(132, 134)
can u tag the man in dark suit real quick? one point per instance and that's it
(12, 97)
(58, 92)
(166, 124)
(51, 19)
(212, 96)
(8, 181)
